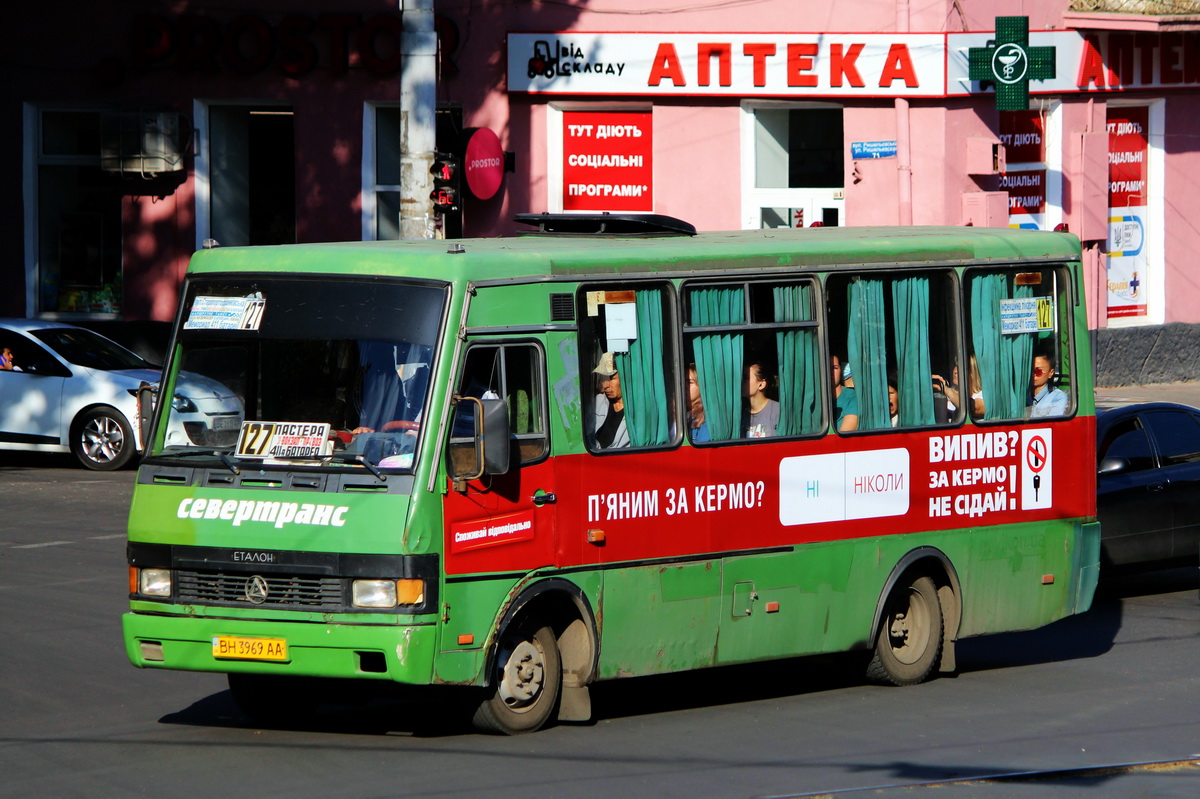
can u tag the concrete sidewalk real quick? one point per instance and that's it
(1187, 393)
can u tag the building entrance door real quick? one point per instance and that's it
(252, 175)
(794, 172)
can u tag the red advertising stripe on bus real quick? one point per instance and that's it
(693, 500)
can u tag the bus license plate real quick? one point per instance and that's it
(235, 647)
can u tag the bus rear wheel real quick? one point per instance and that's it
(526, 684)
(910, 634)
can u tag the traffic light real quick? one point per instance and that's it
(446, 179)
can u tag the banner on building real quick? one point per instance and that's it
(607, 161)
(1023, 135)
(1128, 151)
(729, 64)
(810, 64)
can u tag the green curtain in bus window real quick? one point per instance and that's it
(867, 353)
(719, 359)
(643, 383)
(1004, 361)
(910, 318)
(986, 291)
(799, 369)
(1019, 349)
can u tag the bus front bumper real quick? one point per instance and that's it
(402, 654)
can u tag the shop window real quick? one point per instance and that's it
(383, 167)
(71, 133)
(78, 217)
(1020, 323)
(515, 374)
(383, 174)
(754, 360)
(626, 350)
(896, 343)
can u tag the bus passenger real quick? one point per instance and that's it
(761, 416)
(1046, 400)
(894, 402)
(696, 423)
(845, 401)
(609, 422)
(953, 391)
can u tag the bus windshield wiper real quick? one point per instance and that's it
(228, 461)
(361, 460)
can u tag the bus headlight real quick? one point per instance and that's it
(387, 593)
(154, 582)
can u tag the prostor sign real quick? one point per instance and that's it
(248, 44)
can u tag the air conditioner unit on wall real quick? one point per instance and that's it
(144, 143)
(985, 208)
(985, 156)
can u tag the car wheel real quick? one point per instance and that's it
(101, 439)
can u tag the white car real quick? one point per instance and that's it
(72, 390)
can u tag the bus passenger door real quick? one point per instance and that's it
(503, 522)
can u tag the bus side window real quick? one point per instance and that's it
(625, 347)
(514, 373)
(896, 341)
(524, 394)
(1021, 342)
(754, 360)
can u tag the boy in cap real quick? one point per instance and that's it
(609, 423)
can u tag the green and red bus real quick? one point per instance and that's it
(529, 464)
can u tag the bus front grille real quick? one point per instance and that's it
(310, 592)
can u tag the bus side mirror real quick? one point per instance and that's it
(486, 452)
(494, 436)
(146, 395)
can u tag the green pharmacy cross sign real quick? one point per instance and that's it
(1011, 63)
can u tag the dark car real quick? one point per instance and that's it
(1148, 489)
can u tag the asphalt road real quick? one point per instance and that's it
(1187, 393)
(1078, 702)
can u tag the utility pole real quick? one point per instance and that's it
(418, 114)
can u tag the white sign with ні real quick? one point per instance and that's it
(844, 485)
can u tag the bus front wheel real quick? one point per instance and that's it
(526, 683)
(910, 634)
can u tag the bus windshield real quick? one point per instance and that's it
(290, 356)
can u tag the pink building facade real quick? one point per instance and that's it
(134, 135)
(736, 115)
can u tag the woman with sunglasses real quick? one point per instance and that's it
(1047, 400)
